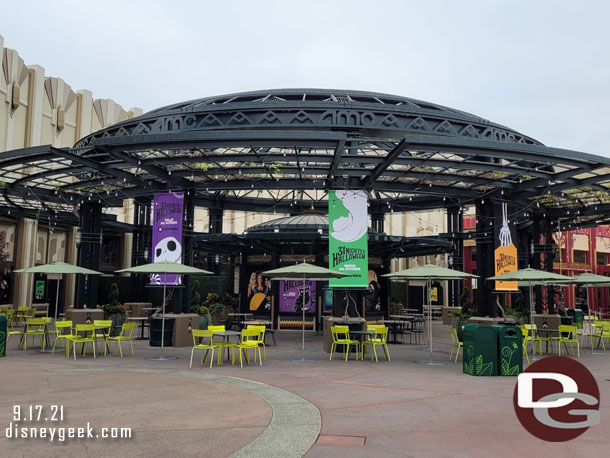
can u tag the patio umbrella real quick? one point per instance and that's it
(428, 273)
(303, 271)
(532, 277)
(589, 280)
(58, 268)
(164, 267)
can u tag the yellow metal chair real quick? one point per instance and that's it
(538, 339)
(83, 334)
(261, 338)
(14, 331)
(124, 336)
(603, 332)
(380, 338)
(34, 327)
(203, 334)
(221, 343)
(526, 339)
(102, 331)
(63, 330)
(249, 341)
(567, 334)
(22, 314)
(10, 315)
(341, 337)
(455, 343)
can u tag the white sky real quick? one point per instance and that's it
(540, 67)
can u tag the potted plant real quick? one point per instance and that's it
(220, 307)
(205, 318)
(114, 310)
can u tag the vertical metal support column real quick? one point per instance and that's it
(182, 298)
(90, 225)
(455, 227)
(485, 301)
(142, 237)
(536, 251)
(215, 215)
(549, 257)
(378, 220)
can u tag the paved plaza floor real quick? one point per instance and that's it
(287, 408)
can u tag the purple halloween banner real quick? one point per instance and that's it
(167, 234)
(292, 296)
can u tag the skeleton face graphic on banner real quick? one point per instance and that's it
(168, 249)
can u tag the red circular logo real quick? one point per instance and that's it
(556, 399)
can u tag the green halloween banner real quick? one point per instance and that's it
(348, 238)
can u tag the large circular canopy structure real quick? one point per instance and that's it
(284, 149)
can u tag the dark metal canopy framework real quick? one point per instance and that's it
(308, 234)
(284, 149)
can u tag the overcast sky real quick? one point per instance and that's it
(540, 67)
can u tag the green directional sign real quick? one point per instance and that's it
(348, 246)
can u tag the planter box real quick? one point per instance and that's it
(79, 316)
(447, 313)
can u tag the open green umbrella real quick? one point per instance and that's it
(589, 280)
(164, 267)
(532, 277)
(428, 273)
(58, 268)
(303, 271)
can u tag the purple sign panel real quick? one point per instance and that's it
(167, 234)
(293, 297)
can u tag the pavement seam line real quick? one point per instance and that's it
(302, 422)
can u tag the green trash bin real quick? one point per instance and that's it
(3, 334)
(510, 350)
(480, 350)
(576, 315)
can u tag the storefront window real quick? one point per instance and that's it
(580, 256)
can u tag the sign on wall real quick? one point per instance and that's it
(294, 296)
(259, 293)
(505, 253)
(167, 233)
(348, 237)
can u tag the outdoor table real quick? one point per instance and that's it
(225, 336)
(237, 316)
(394, 326)
(142, 321)
(361, 334)
(403, 317)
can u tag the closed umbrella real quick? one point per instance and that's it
(303, 271)
(532, 277)
(428, 273)
(164, 267)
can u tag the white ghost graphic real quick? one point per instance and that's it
(353, 226)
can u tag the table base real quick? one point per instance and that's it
(162, 358)
(302, 360)
(431, 363)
